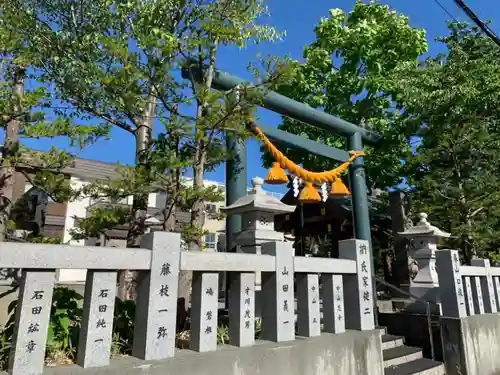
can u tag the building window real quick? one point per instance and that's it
(210, 241)
(210, 208)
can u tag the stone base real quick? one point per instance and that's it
(427, 293)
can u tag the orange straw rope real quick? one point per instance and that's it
(304, 174)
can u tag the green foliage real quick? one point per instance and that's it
(98, 220)
(453, 102)
(118, 61)
(27, 112)
(349, 72)
(6, 335)
(64, 327)
(123, 325)
(65, 320)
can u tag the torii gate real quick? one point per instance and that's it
(236, 178)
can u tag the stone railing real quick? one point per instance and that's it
(467, 290)
(160, 260)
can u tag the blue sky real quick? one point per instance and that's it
(298, 18)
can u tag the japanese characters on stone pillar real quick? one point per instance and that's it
(308, 311)
(358, 288)
(469, 298)
(204, 309)
(278, 317)
(242, 309)
(451, 289)
(94, 347)
(477, 295)
(496, 280)
(424, 238)
(32, 322)
(486, 285)
(156, 311)
(333, 303)
(258, 211)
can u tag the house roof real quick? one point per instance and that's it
(92, 170)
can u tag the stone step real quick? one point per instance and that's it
(391, 341)
(383, 329)
(400, 354)
(421, 366)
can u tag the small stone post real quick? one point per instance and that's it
(358, 288)
(308, 311)
(204, 309)
(477, 295)
(496, 280)
(487, 287)
(242, 309)
(333, 303)
(469, 298)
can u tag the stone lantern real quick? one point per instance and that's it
(257, 210)
(423, 238)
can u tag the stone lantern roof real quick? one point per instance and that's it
(424, 229)
(258, 200)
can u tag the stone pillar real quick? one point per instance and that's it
(32, 322)
(156, 311)
(94, 347)
(242, 310)
(278, 317)
(358, 288)
(451, 289)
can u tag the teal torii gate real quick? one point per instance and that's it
(236, 178)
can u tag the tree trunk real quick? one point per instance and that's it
(127, 278)
(11, 143)
(197, 216)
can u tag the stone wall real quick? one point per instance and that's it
(352, 352)
(471, 345)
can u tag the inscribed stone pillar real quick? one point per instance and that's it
(155, 317)
(451, 290)
(358, 288)
(278, 317)
(32, 322)
(94, 347)
(242, 310)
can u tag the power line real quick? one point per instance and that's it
(445, 10)
(486, 29)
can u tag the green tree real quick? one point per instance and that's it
(452, 101)
(28, 113)
(119, 61)
(348, 72)
(111, 60)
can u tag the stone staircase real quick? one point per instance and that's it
(406, 360)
